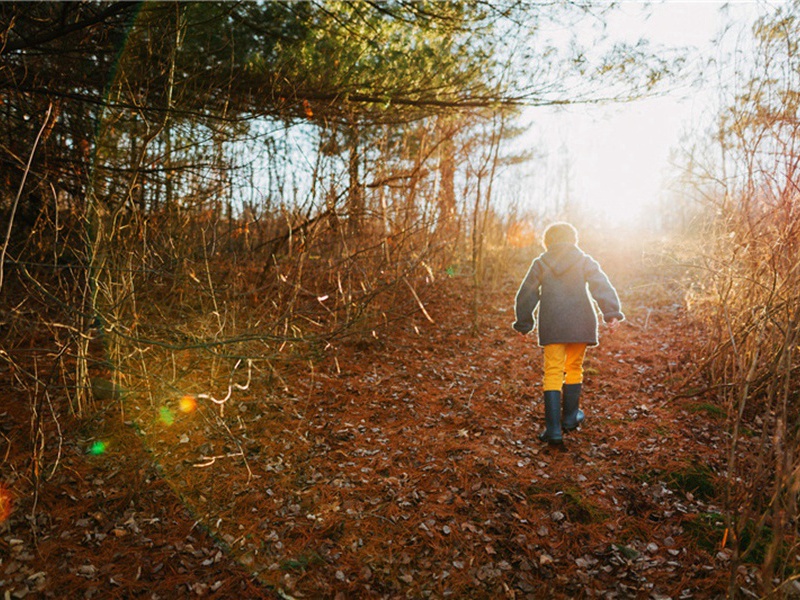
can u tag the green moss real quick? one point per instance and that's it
(571, 501)
(539, 496)
(747, 432)
(712, 410)
(626, 551)
(762, 540)
(696, 478)
(706, 529)
(301, 563)
(649, 476)
(580, 509)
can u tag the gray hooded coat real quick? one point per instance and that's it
(560, 282)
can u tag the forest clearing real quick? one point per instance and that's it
(402, 465)
(259, 266)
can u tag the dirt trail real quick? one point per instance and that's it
(399, 466)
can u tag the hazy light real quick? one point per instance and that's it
(609, 162)
(520, 234)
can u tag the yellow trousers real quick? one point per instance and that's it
(563, 363)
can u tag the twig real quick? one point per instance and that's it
(60, 435)
(231, 385)
(19, 192)
(210, 460)
(419, 302)
(694, 392)
(238, 445)
(8, 449)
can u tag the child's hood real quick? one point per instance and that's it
(560, 258)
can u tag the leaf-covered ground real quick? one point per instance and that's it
(400, 465)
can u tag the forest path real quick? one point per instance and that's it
(403, 465)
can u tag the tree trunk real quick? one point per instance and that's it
(355, 193)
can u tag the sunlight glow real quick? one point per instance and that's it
(621, 157)
(609, 163)
(520, 234)
(187, 404)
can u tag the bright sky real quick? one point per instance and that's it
(618, 156)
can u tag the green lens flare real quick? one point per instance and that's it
(98, 447)
(165, 416)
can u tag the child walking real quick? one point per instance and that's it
(562, 282)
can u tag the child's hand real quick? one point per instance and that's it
(613, 324)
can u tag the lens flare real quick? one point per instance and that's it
(187, 404)
(5, 503)
(98, 447)
(165, 416)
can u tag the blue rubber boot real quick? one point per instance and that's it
(573, 415)
(552, 418)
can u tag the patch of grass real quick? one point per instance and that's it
(762, 541)
(571, 501)
(747, 432)
(539, 496)
(301, 563)
(707, 529)
(650, 476)
(712, 410)
(696, 478)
